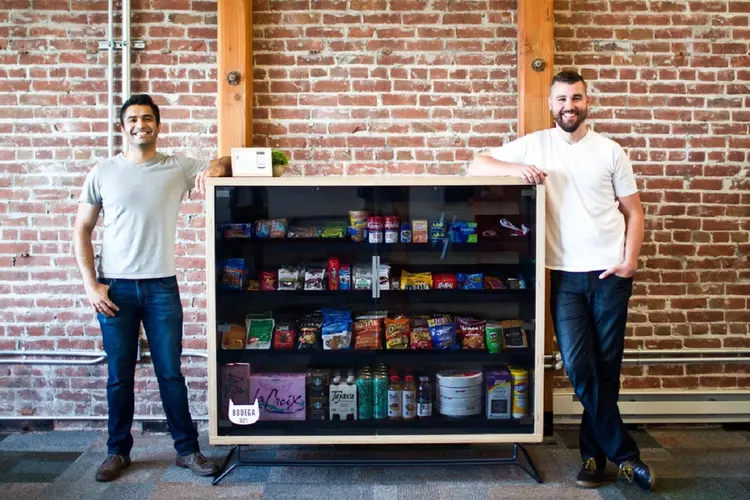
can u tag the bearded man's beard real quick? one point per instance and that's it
(570, 126)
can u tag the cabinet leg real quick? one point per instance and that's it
(223, 471)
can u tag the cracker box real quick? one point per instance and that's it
(281, 396)
(420, 231)
(235, 384)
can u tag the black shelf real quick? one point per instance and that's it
(353, 357)
(438, 424)
(331, 245)
(454, 295)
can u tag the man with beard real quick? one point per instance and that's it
(594, 235)
(140, 193)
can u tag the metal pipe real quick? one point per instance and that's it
(684, 361)
(125, 57)
(110, 81)
(99, 357)
(56, 362)
(146, 418)
(657, 352)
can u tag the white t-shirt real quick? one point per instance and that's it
(140, 204)
(585, 229)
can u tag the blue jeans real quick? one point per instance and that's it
(156, 303)
(589, 315)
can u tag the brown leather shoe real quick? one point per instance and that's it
(112, 467)
(197, 463)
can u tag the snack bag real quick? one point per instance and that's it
(444, 282)
(309, 332)
(259, 332)
(284, 335)
(421, 338)
(268, 280)
(493, 283)
(472, 334)
(418, 281)
(232, 336)
(314, 279)
(443, 333)
(470, 281)
(397, 333)
(368, 333)
(278, 228)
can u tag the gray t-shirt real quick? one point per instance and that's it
(140, 204)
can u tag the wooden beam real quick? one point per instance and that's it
(235, 44)
(535, 45)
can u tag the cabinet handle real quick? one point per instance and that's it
(375, 276)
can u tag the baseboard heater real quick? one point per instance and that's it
(665, 406)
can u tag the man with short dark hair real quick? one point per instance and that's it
(140, 193)
(594, 235)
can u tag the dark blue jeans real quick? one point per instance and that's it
(589, 315)
(156, 303)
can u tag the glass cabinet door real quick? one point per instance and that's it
(382, 310)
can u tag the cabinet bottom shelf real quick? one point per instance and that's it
(436, 426)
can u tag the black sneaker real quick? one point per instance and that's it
(591, 476)
(638, 472)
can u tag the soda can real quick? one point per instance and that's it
(520, 403)
(380, 396)
(364, 396)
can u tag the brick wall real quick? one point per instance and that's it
(670, 83)
(53, 123)
(376, 87)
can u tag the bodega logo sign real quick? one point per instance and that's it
(243, 414)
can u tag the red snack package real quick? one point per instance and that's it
(421, 338)
(444, 282)
(268, 280)
(368, 334)
(284, 336)
(470, 333)
(333, 273)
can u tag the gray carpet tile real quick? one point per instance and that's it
(700, 438)
(730, 463)
(23, 491)
(177, 491)
(540, 492)
(50, 441)
(307, 491)
(385, 492)
(316, 475)
(701, 489)
(703, 463)
(128, 491)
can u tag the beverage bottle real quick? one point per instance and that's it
(380, 396)
(424, 398)
(394, 399)
(409, 398)
(333, 390)
(350, 381)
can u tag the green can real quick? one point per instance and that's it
(380, 396)
(494, 334)
(364, 396)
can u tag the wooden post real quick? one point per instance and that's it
(535, 71)
(235, 75)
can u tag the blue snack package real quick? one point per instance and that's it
(463, 232)
(470, 281)
(237, 230)
(437, 231)
(444, 336)
(234, 274)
